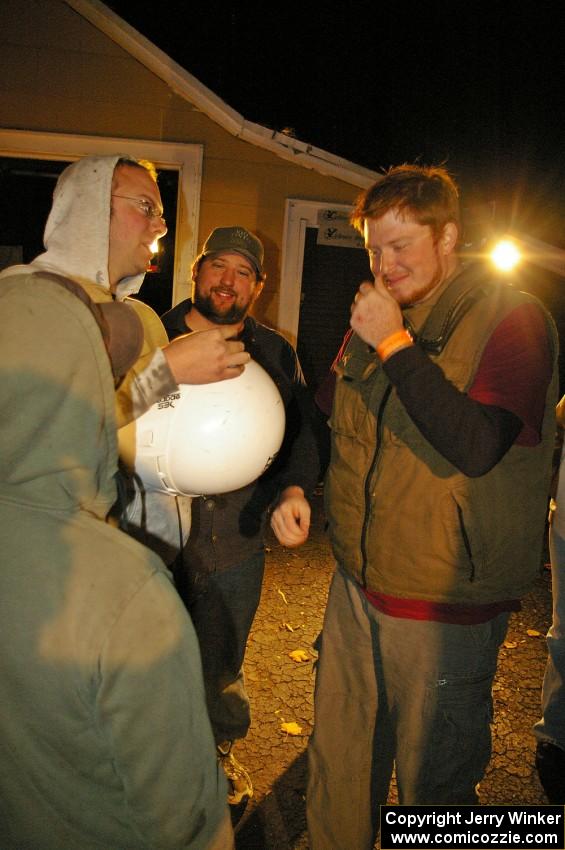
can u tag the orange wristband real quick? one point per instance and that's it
(392, 343)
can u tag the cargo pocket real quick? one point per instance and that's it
(459, 712)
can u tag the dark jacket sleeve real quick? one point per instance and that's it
(300, 463)
(470, 435)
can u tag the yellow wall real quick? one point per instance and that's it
(58, 73)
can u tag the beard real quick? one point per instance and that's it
(206, 307)
(425, 290)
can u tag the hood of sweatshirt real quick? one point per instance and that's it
(58, 428)
(77, 231)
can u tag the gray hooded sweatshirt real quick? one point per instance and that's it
(76, 239)
(105, 743)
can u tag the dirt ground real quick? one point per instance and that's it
(281, 689)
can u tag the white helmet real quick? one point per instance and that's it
(208, 438)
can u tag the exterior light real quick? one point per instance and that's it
(505, 255)
(153, 264)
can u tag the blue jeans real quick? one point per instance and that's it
(551, 727)
(222, 606)
(395, 693)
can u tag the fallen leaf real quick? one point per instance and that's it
(299, 655)
(509, 644)
(288, 627)
(533, 633)
(291, 728)
(283, 596)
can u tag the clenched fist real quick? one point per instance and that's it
(203, 357)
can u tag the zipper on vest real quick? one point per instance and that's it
(367, 488)
(466, 542)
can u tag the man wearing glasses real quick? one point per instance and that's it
(105, 702)
(106, 213)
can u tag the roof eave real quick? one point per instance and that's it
(186, 86)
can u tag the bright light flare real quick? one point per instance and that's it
(154, 247)
(505, 255)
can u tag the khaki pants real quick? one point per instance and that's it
(395, 693)
(551, 727)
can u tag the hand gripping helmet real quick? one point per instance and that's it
(207, 438)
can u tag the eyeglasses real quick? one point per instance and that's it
(145, 207)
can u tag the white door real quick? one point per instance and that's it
(324, 261)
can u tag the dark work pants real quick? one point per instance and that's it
(222, 606)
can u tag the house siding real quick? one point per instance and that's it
(59, 73)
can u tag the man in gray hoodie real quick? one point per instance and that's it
(105, 742)
(106, 213)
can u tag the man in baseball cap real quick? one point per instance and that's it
(220, 572)
(236, 239)
(228, 278)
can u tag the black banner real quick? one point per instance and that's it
(476, 827)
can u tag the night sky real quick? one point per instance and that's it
(476, 87)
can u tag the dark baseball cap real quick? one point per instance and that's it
(236, 239)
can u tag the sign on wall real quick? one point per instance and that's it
(334, 229)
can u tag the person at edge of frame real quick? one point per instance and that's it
(93, 632)
(550, 728)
